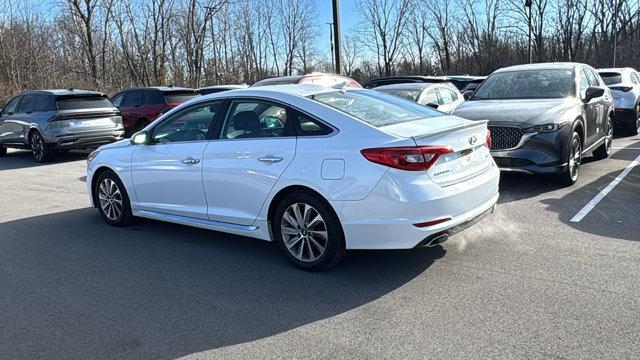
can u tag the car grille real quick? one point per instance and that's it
(505, 137)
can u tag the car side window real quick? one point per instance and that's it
(28, 104)
(308, 126)
(634, 78)
(152, 97)
(431, 98)
(447, 96)
(584, 81)
(248, 119)
(43, 103)
(117, 100)
(591, 77)
(11, 106)
(190, 124)
(133, 98)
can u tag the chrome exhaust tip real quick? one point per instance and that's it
(438, 240)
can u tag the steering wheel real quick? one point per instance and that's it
(195, 134)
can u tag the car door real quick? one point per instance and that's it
(591, 109)
(167, 172)
(255, 145)
(10, 127)
(131, 108)
(24, 117)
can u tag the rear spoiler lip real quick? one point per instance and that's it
(472, 123)
(76, 114)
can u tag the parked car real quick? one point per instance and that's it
(315, 78)
(625, 88)
(471, 87)
(141, 106)
(544, 118)
(220, 88)
(317, 170)
(461, 81)
(50, 121)
(390, 80)
(438, 96)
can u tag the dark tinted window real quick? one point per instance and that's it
(43, 103)
(152, 97)
(308, 126)
(611, 78)
(28, 103)
(117, 100)
(83, 102)
(527, 84)
(134, 98)
(179, 97)
(11, 106)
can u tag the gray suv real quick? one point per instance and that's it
(51, 121)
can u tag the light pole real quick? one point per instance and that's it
(336, 32)
(333, 60)
(527, 4)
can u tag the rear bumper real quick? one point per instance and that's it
(83, 140)
(622, 117)
(385, 219)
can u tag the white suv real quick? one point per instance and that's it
(625, 88)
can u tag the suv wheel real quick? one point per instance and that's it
(574, 158)
(39, 148)
(308, 232)
(112, 199)
(604, 150)
(634, 127)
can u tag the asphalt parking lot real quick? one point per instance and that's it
(524, 283)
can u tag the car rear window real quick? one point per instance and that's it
(611, 78)
(180, 97)
(408, 94)
(375, 108)
(83, 102)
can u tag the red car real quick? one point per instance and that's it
(140, 106)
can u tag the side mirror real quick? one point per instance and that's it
(592, 92)
(467, 95)
(140, 138)
(432, 105)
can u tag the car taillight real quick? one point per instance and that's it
(622, 88)
(488, 139)
(411, 158)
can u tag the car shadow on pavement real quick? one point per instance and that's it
(74, 287)
(22, 159)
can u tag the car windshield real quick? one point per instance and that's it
(375, 108)
(179, 97)
(83, 102)
(610, 78)
(527, 84)
(409, 94)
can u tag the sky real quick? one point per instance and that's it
(348, 19)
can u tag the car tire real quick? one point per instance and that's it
(112, 200)
(39, 148)
(308, 231)
(603, 151)
(573, 159)
(632, 128)
(3, 150)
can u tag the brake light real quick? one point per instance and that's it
(431, 223)
(622, 88)
(410, 158)
(488, 140)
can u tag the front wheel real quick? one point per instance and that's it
(574, 159)
(604, 150)
(308, 232)
(39, 148)
(112, 199)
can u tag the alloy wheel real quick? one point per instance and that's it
(110, 199)
(304, 232)
(37, 146)
(575, 157)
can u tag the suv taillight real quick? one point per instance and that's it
(411, 158)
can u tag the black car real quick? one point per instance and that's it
(49, 121)
(544, 117)
(390, 80)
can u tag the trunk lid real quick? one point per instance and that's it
(470, 156)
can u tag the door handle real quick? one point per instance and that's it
(270, 159)
(190, 161)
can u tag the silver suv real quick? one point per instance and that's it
(625, 88)
(50, 121)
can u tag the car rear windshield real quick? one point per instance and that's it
(527, 84)
(179, 97)
(611, 78)
(408, 94)
(375, 108)
(83, 102)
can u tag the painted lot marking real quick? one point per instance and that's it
(592, 204)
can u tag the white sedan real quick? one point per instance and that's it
(317, 170)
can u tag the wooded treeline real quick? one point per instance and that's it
(114, 44)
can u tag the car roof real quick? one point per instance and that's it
(616, 70)
(542, 66)
(413, 86)
(464, 77)
(213, 87)
(162, 88)
(63, 92)
(299, 90)
(411, 77)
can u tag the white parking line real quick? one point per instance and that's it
(587, 208)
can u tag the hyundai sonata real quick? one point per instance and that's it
(317, 170)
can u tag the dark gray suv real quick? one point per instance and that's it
(49, 121)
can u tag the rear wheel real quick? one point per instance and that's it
(308, 232)
(604, 150)
(112, 199)
(39, 148)
(632, 128)
(574, 159)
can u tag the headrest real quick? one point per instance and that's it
(246, 121)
